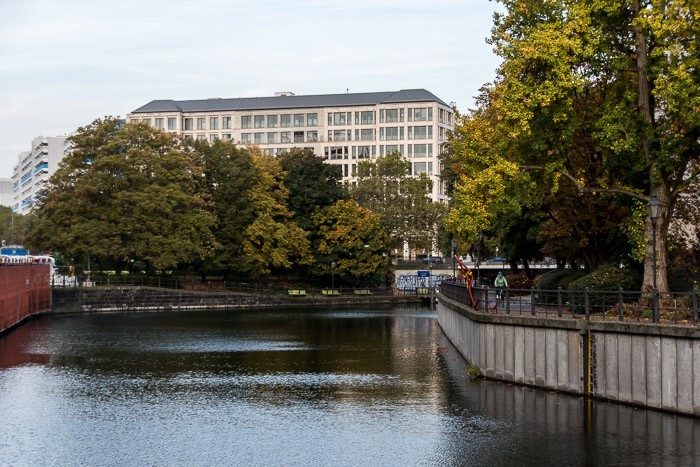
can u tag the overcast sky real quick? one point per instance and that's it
(65, 63)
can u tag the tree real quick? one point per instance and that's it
(13, 226)
(230, 179)
(126, 192)
(312, 184)
(353, 238)
(402, 202)
(602, 95)
(272, 240)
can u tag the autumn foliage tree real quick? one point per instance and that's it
(603, 96)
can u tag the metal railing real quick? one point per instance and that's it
(594, 305)
(197, 285)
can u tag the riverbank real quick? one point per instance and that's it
(139, 299)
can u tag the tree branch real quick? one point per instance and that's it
(591, 189)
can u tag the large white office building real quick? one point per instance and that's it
(33, 169)
(341, 128)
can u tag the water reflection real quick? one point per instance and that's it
(306, 387)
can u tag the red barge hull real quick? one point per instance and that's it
(25, 290)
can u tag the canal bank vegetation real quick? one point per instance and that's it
(133, 199)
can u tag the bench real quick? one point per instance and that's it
(333, 292)
(296, 292)
(363, 292)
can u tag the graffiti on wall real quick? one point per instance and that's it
(413, 281)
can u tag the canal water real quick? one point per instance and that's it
(302, 387)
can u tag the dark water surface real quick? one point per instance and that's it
(301, 387)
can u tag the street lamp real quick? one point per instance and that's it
(333, 275)
(654, 208)
(454, 270)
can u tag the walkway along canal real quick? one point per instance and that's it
(644, 364)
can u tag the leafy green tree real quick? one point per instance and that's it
(402, 201)
(230, 179)
(13, 226)
(312, 184)
(272, 240)
(126, 192)
(601, 95)
(353, 238)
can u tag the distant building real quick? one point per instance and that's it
(341, 128)
(33, 170)
(6, 192)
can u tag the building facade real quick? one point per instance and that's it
(34, 167)
(343, 129)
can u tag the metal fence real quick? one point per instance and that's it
(196, 284)
(620, 305)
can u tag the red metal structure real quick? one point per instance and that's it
(468, 279)
(25, 290)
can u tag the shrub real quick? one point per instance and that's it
(548, 283)
(604, 279)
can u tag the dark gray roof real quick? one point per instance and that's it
(290, 102)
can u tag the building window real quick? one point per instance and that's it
(392, 115)
(188, 124)
(246, 138)
(285, 120)
(286, 136)
(272, 121)
(391, 133)
(367, 134)
(146, 120)
(213, 138)
(311, 119)
(213, 123)
(272, 138)
(159, 123)
(420, 168)
(420, 132)
(201, 137)
(136, 120)
(259, 138)
(339, 135)
(226, 123)
(363, 152)
(419, 114)
(226, 136)
(420, 150)
(171, 123)
(298, 136)
(311, 136)
(259, 121)
(392, 148)
(367, 118)
(298, 120)
(201, 123)
(246, 121)
(339, 118)
(337, 152)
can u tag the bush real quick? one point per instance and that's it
(606, 278)
(548, 283)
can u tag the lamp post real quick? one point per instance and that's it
(479, 237)
(454, 269)
(654, 208)
(333, 275)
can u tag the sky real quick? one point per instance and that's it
(66, 63)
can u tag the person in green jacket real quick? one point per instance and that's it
(501, 280)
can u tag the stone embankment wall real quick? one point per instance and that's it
(116, 299)
(648, 365)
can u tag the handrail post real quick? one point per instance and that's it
(586, 304)
(532, 301)
(559, 312)
(695, 306)
(620, 304)
(507, 301)
(655, 297)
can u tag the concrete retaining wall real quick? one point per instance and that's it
(653, 366)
